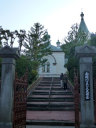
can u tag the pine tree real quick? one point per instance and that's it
(37, 44)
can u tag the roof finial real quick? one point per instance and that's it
(58, 43)
(82, 15)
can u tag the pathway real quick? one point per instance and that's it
(49, 104)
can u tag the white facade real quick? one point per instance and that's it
(54, 65)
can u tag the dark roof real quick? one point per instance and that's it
(83, 26)
(55, 49)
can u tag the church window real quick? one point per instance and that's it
(43, 68)
(48, 67)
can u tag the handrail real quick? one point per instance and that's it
(70, 86)
(50, 90)
(34, 84)
(76, 100)
(75, 90)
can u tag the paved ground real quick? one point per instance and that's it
(33, 126)
(51, 115)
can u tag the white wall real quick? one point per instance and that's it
(60, 58)
(55, 70)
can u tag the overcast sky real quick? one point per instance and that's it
(57, 16)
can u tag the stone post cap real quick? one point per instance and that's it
(8, 52)
(85, 51)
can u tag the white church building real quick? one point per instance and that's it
(55, 63)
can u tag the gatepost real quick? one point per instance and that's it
(85, 54)
(7, 81)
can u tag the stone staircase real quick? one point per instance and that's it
(50, 104)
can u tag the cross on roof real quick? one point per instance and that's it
(82, 15)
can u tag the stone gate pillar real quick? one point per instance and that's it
(85, 54)
(7, 81)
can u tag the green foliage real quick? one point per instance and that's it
(94, 67)
(75, 35)
(72, 63)
(23, 64)
(72, 60)
(72, 34)
(69, 49)
(34, 44)
(21, 37)
(92, 41)
(37, 44)
(75, 38)
(6, 37)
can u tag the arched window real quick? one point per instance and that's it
(43, 68)
(48, 67)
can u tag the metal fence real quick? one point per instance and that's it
(76, 100)
(20, 96)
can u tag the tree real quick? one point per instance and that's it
(37, 44)
(1, 36)
(21, 35)
(23, 64)
(72, 34)
(75, 38)
(92, 40)
(75, 35)
(6, 37)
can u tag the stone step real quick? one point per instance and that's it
(47, 78)
(46, 123)
(43, 99)
(47, 108)
(59, 88)
(51, 96)
(51, 118)
(56, 82)
(45, 82)
(42, 88)
(40, 96)
(41, 93)
(49, 82)
(53, 85)
(48, 88)
(41, 84)
(50, 78)
(51, 106)
(61, 93)
(52, 93)
(52, 103)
